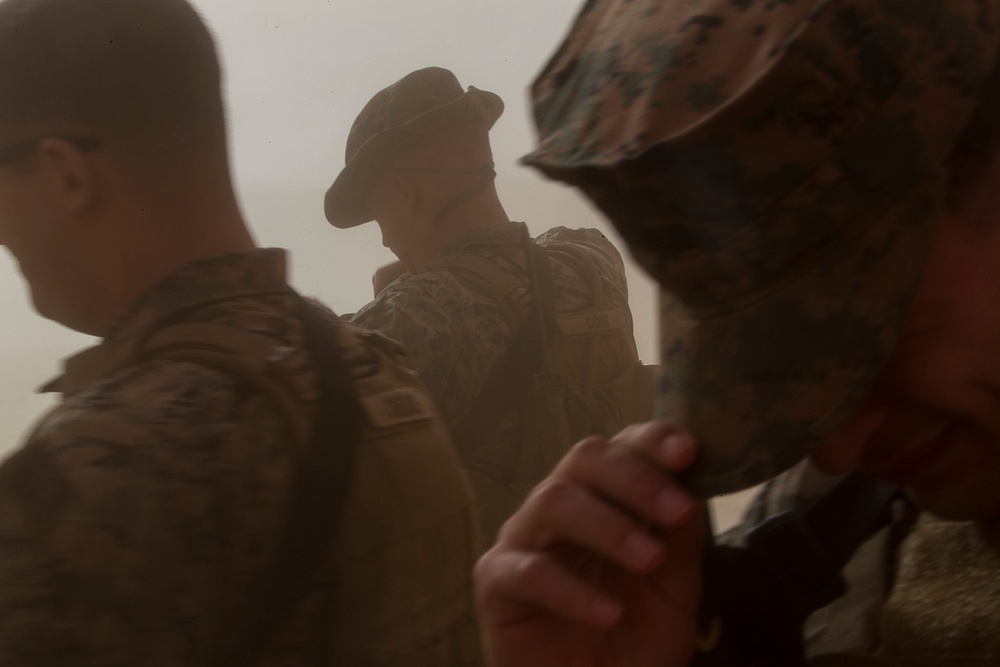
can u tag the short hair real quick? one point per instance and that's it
(126, 68)
(976, 156)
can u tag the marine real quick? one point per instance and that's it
(814, 186)
(490, 316)
(220, 482)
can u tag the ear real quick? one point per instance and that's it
(73, 176)
(405, 193)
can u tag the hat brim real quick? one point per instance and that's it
(762, 386)
(346, 202)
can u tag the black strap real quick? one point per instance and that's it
(757, 597)
(526, 355)
(318, 489)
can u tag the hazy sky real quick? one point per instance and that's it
(298, 72)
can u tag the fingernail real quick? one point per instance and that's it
(641, 549)
(672, 505)
(676, 445)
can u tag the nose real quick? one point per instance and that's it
(841, 451)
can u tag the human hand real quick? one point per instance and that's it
(601, 565)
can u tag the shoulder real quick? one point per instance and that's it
(434, 286)
(422, 307)
(394, 404)
(158, 399)
(408, 519)
(587, 242)
(403, 433)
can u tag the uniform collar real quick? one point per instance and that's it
(195, 284)
(495, 234)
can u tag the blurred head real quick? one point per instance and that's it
(110, 108)
(411, 196)
(784, 185)
(417, 149)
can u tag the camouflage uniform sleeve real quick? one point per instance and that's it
(130, 521)
(453, 335)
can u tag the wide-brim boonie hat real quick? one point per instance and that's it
(420, 104)
(779, 168)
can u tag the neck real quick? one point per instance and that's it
(479, 211)
(154, 246)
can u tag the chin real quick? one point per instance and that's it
(67, 317)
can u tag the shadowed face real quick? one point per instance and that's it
(390, 214)
(399, 206)
(34, 224)
(932, 422)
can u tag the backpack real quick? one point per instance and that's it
(360, 402)
(565, 375)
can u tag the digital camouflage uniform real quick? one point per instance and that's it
(779, 167)
(142, 515)
(455, 332)
(460, 315)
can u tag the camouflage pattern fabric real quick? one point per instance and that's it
(139, 520)
(778, 166)
(945, 604)
(456, 331)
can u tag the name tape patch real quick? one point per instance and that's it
(399, 406)
(592, 323)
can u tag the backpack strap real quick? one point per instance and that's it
(526, 355)
(502, 287)
(321, 480)
(319, 488)
(758, 596)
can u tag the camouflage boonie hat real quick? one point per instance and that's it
(418, 105)
(779, 167)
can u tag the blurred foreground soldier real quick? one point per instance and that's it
(815, 185)
(232, 477)
(524, 344)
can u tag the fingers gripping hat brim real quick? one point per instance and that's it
(778, 168)
(346, 202)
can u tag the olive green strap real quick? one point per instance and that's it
(321, 480)
(319, 491)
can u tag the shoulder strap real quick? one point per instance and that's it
(526, 355)
(321, 481)
(757, 597)
(319, 488)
